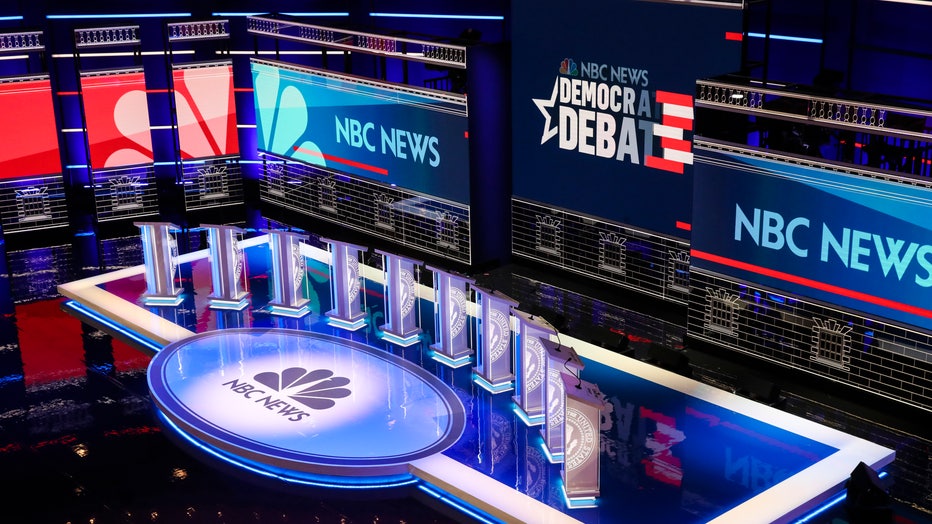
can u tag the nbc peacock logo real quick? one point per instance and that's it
(568, 67)
(316, 389)
(285, 393)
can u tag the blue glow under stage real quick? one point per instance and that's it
(302, 401)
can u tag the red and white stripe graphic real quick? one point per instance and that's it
(677, 113)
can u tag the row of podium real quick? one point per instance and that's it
(514, 351)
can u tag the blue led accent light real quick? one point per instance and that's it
(576, 502)
(289, 311)
(451, 362)
(829, 504)
(19, 377)
(426, 15)
(527, 419)
(349, 326)
(457, 504)
(305, 479)
(553, 458)
(237, 14)
(217, 303)
(12, 17)
(787, 38)
(123, 15)
(132, 335)
(401, 341)
(317, 14)
(163, 301)
(492, 388)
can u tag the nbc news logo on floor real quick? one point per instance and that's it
(287, 394)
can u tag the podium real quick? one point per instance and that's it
(401, 300)
(530, 366)
(289, 269)
(159, 251)
(226, 268)
(451, 318)
(493, 362)
(581, 461)
(345, 288)
(560, 361)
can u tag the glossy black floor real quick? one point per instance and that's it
(79, 442)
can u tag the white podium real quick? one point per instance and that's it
(401, 300)
(581, 461)
(159, 252)
(560, 360)
(345, 286)
(451, 318)
(530, 366)
(289, 269)
(493, 362)
(226, 268)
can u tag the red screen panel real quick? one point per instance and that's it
(206, 111)
(28, 134)
(117, 116)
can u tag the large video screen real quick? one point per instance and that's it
(29, 134)
(205, 109)
(390, 133)
(861, 243)
(117, 116)
(603, 104)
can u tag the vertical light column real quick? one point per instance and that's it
(345, 287)
(159, 251)
(401, 299)
(530, 366)
(226, 267)
(289, 269)
(581, 461)
(451, 318)
(560, 361)
(493, 363)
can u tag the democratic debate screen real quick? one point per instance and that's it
(394, 134)
(603, 104)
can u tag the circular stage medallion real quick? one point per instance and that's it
(305, 401)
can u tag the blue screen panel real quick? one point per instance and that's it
(863, 244)
(393, 134)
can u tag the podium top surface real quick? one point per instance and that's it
(563, 353)
(582, 391)
(534, 320)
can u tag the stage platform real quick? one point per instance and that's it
(302, 402)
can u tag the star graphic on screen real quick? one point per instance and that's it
(543, 105)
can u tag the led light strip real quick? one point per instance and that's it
(425, 15)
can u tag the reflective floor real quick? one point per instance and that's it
(77, 425)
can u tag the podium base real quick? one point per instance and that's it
(163, 300)
(451, 362)
(228, 304)
(347, 324)
(399, 340)
(503, 385)
(529, 420)
(552, 457)
(288, 311)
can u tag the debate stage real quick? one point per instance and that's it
(301, 402)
